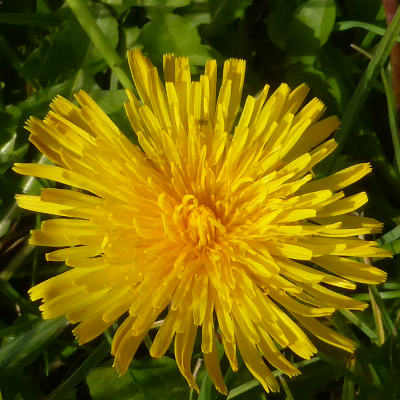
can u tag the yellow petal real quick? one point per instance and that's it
(343, 206)
(35, 203)
(274, 356)
(184, 343)
(295, 307)
(164, 336)
(213, 368)
(254, 362)
(339, 180)
(351, 269)
(328, 298)
(322, 332)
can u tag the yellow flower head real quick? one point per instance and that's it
(214, 224)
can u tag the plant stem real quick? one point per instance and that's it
(82, 13)
(393, 110)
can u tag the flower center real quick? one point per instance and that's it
(198, 223)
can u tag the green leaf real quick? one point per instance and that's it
(99, 40)
(27, 346)
(59, 55)
(311, 26)
(277, 22)
(327, 87)
(105, 383)
(223, 12)
(148, 379)
(131, 35)
(197, 13)
(38, 103)
(171, 33)
(112, 103)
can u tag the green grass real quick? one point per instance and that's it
(56, 47)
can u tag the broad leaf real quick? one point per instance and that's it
(148, 379)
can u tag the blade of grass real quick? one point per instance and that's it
(380, 164)
(16, 261)
(370, 36)
(28, 184)
(79, 375)
(286, 389)
(364, 86)
(387, 321)
(10, 294)
(394, 246)
(393, 294)
(378, 30)
(389, 236)
(377, 310)
(375, 377)
(88, 23)
(344, 327)
(348, 392)
(392, 113)
(360, 324)
(8, 218)
(390, 286)
(27, 346)
(380, 332)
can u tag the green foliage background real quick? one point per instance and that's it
(56, 47)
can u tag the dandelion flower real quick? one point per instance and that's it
(213, 224)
